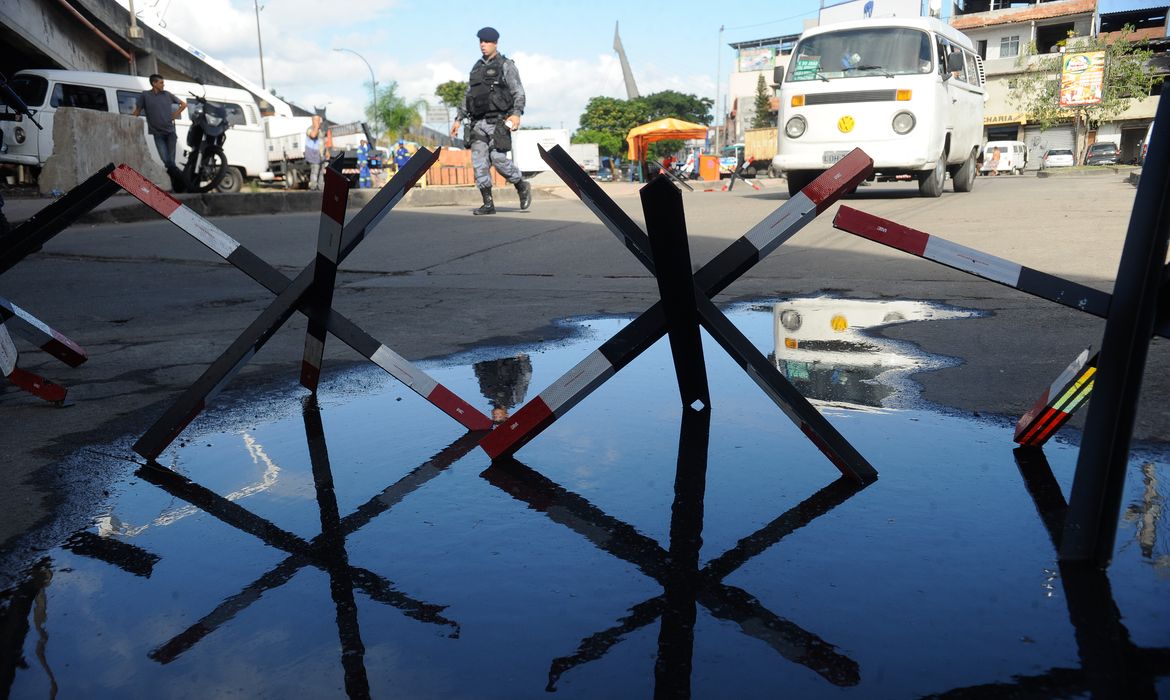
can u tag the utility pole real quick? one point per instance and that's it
(718, 76)
(259, 44)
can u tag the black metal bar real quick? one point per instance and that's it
(28, 238)
(353, 651)
(128, 557)
(666, 227)
(320, 298)
(676, 634)
(1095, 499)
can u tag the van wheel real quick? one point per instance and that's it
(963, 179)
(232, 180)
(931, 183)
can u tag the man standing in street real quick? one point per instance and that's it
(315, 151)
(494, 102)
(161, 114)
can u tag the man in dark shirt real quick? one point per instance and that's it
(159, 106)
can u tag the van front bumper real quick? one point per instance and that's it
(18, 159)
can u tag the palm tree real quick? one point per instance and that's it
(395, 113)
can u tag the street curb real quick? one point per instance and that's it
(260, 203)
(1098, 171)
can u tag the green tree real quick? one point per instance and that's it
(670, 103)
(615, 117)
(607, 143)
(395, 113)
(1036, 90)
(763, 117)
(451, 93)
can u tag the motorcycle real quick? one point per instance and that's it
(206, 162)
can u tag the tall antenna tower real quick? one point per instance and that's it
(631, 88)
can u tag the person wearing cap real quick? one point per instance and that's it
(401, 155)
(493, 104)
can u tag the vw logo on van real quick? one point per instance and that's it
(845, 124)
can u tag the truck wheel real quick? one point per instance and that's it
(931, 183)
(749, 171)
(963, 179)
(232, 181)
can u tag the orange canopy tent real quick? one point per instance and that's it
(640, 137)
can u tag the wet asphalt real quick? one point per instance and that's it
(153, 308)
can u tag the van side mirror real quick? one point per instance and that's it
(954, 62)
(777, 75)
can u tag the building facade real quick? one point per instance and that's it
(1010, 36)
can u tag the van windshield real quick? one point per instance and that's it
(30, 88)
(855, 53)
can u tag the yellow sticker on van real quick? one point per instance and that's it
(845, 124)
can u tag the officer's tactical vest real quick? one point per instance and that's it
(488, 95)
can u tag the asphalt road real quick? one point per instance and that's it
(153, 307)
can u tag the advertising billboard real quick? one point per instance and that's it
(1082, 75)
(861, 9)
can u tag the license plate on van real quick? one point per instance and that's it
(831, 157)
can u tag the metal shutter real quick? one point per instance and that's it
(1040, 141)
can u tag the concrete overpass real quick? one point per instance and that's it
(98, 35)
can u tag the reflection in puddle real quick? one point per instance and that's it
(366, 547)
(826, 347)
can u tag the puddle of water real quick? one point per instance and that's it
(369, 548)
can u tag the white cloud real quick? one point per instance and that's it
(300, 63)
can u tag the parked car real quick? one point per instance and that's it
(1057, 158)
(1103, 153)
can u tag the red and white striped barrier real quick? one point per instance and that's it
(971, 261)
(292, 295)
(15, 319)
(1058, 403)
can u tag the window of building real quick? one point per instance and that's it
(1050, 36)
(981, 48)
(1009, 46)
(80, 96)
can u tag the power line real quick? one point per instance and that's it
(775, 21)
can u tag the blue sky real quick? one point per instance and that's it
(564, 49)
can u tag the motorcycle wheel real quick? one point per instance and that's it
(210, 170)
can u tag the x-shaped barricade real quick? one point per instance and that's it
(685, 583)
(326, 551)
(18, 244)
(685, 299)
(311, 293)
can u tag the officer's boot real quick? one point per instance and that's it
(489, 207)
(524, 189)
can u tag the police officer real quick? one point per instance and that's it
(494, 102)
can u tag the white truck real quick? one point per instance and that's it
(285, 137)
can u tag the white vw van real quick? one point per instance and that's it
(1013, 158)
(909, 91)
(46, 90)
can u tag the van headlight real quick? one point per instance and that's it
(795, 127)
(18, 134)
(903, 123)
